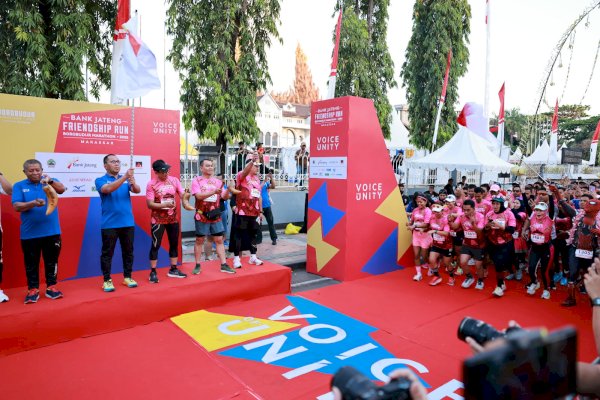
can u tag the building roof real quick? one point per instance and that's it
(301, 110)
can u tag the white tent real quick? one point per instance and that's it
(465, 151)
(399, 134)
(516, 156)
(542, 155)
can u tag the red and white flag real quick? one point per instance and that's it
(448, 61)
(501, 120)
(553, 156)
(334, 60)
(136, 73)
(119, 36)
(555, 118)
(594, 145)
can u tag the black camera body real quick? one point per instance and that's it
(355, 386)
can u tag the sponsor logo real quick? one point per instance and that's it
(72, 163)
(51, 163)
(78, 188)
(165, 128)
(93, 188)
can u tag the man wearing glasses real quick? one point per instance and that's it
(117, 219)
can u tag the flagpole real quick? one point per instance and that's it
(334, 61)
(437, 124)
(486, 103)
(132, 133)
(441, 101)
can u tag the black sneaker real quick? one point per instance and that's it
(176, 273)
(53, 293)
(33, 295)
(274, 242)
(153, 276)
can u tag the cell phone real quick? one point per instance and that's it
(592, 188)
(530, 365)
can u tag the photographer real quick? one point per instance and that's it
(417, 390)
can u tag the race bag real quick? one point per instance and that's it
(211, 215)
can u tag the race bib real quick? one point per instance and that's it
(438, 238)
(500, 223)
(167, 201)
(453, 234)
(515, 235)
(470, 234)
(255, 193)
(537, 239)
(211, 199)
(585, 254)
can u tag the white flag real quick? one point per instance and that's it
(136, 73)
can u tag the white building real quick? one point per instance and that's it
(282, 124)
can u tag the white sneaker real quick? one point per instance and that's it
(532, 288)
(479, 285)
(237, 263)
(546, 295)
(498, 292)
(467, 283)
(417, 277)
(3, 296)
(429, 272)
(254, 260)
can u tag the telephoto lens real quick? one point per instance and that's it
(355, 386)
(478, 330)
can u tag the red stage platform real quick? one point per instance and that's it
(376, 324)
(86, 310)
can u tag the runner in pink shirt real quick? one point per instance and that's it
(453, 210)
(208, 190)
(421, 239)
(542, 251)
(472, 224)
(441, 245)
(500, 226)
(519, 243)
(481, 206)
(160, 199)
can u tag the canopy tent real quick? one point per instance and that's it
(516, 156)
(465, 151)
(542, 155)
(399, 134)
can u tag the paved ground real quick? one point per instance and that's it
(289, 251)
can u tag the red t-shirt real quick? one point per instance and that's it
(248, 201)
(440, 224)
(164, 192)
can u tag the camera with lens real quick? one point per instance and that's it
(355, 386)
(480, 331)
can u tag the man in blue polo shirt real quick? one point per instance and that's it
(117, 219)
(40, 233)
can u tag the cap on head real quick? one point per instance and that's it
(451, 198)
(494, 188)
(541, 206)
(160, 166)
(498, 199)
(437, 208)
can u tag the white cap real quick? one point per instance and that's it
(541, 206)
(437, 207)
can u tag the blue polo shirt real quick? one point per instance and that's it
(266, 200)
(34, 222)
(116, 206)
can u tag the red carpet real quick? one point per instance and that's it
(86, 310)
(403, 322)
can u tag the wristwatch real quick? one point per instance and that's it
(596, 302)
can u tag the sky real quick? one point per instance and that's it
(524, 34)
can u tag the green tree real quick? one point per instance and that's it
(438, 26)
(219, 49)
(365, 67)
(45, 45)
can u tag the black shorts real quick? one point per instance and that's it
(458, 239)
(477, 254)
(443, 252)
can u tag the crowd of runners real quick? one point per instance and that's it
(545, 231)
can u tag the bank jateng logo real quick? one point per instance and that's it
(329, 341)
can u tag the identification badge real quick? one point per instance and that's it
(211, 199)
(471, 234)
(515, 235)
(538, 239)
(438, 238)
(255, 193)
(585, 254)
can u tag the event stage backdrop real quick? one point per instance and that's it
(70, 139)
(356, 218)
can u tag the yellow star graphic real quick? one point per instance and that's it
(324, 251)
(393, 208)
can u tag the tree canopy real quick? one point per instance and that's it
(365, 67)
(219, 49)
(46, 45)
(438, 27)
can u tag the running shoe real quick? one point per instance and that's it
(255, 261)
(510, 277)
(503, 287)
(436, 280)
(197, 269)
(498, 292)
(153, 276)
(546, 295)
(564, 281)
(557, 276)
(33, 295)
(3, 296)
(429, 272)
(468, 282)
(471, 261)
(227, 269)
(451, 281)
(237, 263)
(458, 271)
(176, 273)
(417, 277)
(479, 285)
(130, 283)
(532, 288)
(519, 274)
(108, 286)
(53, 293)
(274, 242)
